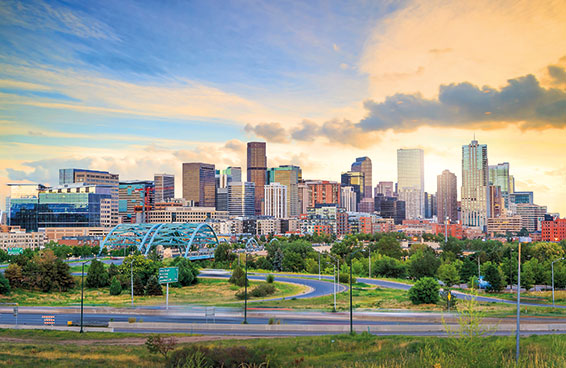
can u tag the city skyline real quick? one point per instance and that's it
(92, 93)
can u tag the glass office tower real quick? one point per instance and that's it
(475, 185)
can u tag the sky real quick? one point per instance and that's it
(139, 87)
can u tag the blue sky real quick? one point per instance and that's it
(139, 87)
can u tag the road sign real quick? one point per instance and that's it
(168, 274)
(15, 251)
(48, 320)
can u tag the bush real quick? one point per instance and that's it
(113, 271)
(97, 276)
(263, 290)
(158, 344)
(238, 277)
(187, 272)
(115, 286)
(345, 278)
(269, 279)
(153, 287)
(448, 274)
(139, 289)
(218, 356)
(14, 275)
(425, 291)
(390, 267)
(4, 285)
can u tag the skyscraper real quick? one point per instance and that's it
(257, 171)
(499, 176)
(164, 187)
(223, 177)
(304, 197)
(363, 165)
(94, 177)
(348, 198)
(275, 200)
(324, 192)
(475, 185)
(241, 199)
(354, 179)
(410, 181)
(387, 188)
(287, 175)
(199, 184)
(447, 197)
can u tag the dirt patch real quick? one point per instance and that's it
(123, 341)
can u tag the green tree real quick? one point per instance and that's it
(493, 276)
(423, 264)
(113, 271)
(139, 288)
(4, 285)
(223, 254)
(115, 286)
(425, 291)
(97, 275)
(389, 246)
(153, 287)
(389, 267)
(142, 267)
(187, 272)
(238, 277)
(448, 274)
(14, 275)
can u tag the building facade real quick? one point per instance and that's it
(275, 200)
(164, 187)
(136, 199)
(553, 230)
(257, 171)
(499, 177)
(199, 184)
(241, 199)
(186, 215)
(304, 196)
(324, 192)
(447, 197)
(387, 188)
(363, 165)
(532, 215)
(348, 198)
(410, 181)
(354, 179)
(475, 185)
(289, 176)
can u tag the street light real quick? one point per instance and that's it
(82, 292)
(333, 282)
(351, 313)
(552, 267)
(246, 290)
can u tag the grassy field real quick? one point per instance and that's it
(541, 297)
(363, 350)
(206, 292)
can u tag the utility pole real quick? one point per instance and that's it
(518, 303)
(132, 280)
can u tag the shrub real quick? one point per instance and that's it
(263, 290)
(113, 271)
(115, 286)
(4, 285)
(218, 356)
(425, 291)
(390, 267)
(139, 288)
(345, 278)
(97, 276)
(153, 287)
(269, 279)
(448, 274)
(158, 344)
(14, 275)
(238, 277)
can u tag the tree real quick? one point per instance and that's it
(153, 287)
(14, 275)
(448, 274)
(493, 276)
(139, 288)
(389, 246)
(238, 277)
(187, 272)
(423, 264)
(115, 286)
(389, 267)
(158, 344)
(113, 271)
(4, 285)
(97, 276)
(425, 291)
(263, 263)
(223, 253)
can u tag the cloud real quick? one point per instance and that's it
(557, 73)
(273, 132)
(522, 101)
(235, 145)
(46, 171)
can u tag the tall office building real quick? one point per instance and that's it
(496, 201)
(304, 194)
(354, 179)
(499, 176)
(363, 165)
(532, 216)
(199, 184)
(257, 171)
(164, 187)
(275, 200)
(348, 198)
(387, 188)
(410, 181)
(475, 185)
(429, 205)
(136, 199)
(324, 192)
(447, 197)
(289, 176)
(94, 177)
(230, 174)
(241, 199)
(390, 207)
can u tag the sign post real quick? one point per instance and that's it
(166, 276)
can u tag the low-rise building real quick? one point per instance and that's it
(554, 230)
(504, 225)
(185, 214)
(15, 237)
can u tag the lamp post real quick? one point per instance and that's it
(246, 291)
(82, 293)
(521, 240)
(552, 268)
(351, 311)
(319, 266)
(132, 280)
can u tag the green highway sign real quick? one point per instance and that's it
(168, 274)
(15, 251)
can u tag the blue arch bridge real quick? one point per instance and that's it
(193, 241)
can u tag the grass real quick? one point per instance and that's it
(207, 292)
(541, 297)
(321, 351)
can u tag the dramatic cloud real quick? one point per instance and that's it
(557, 73)
(273, 132)
(45, 171)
